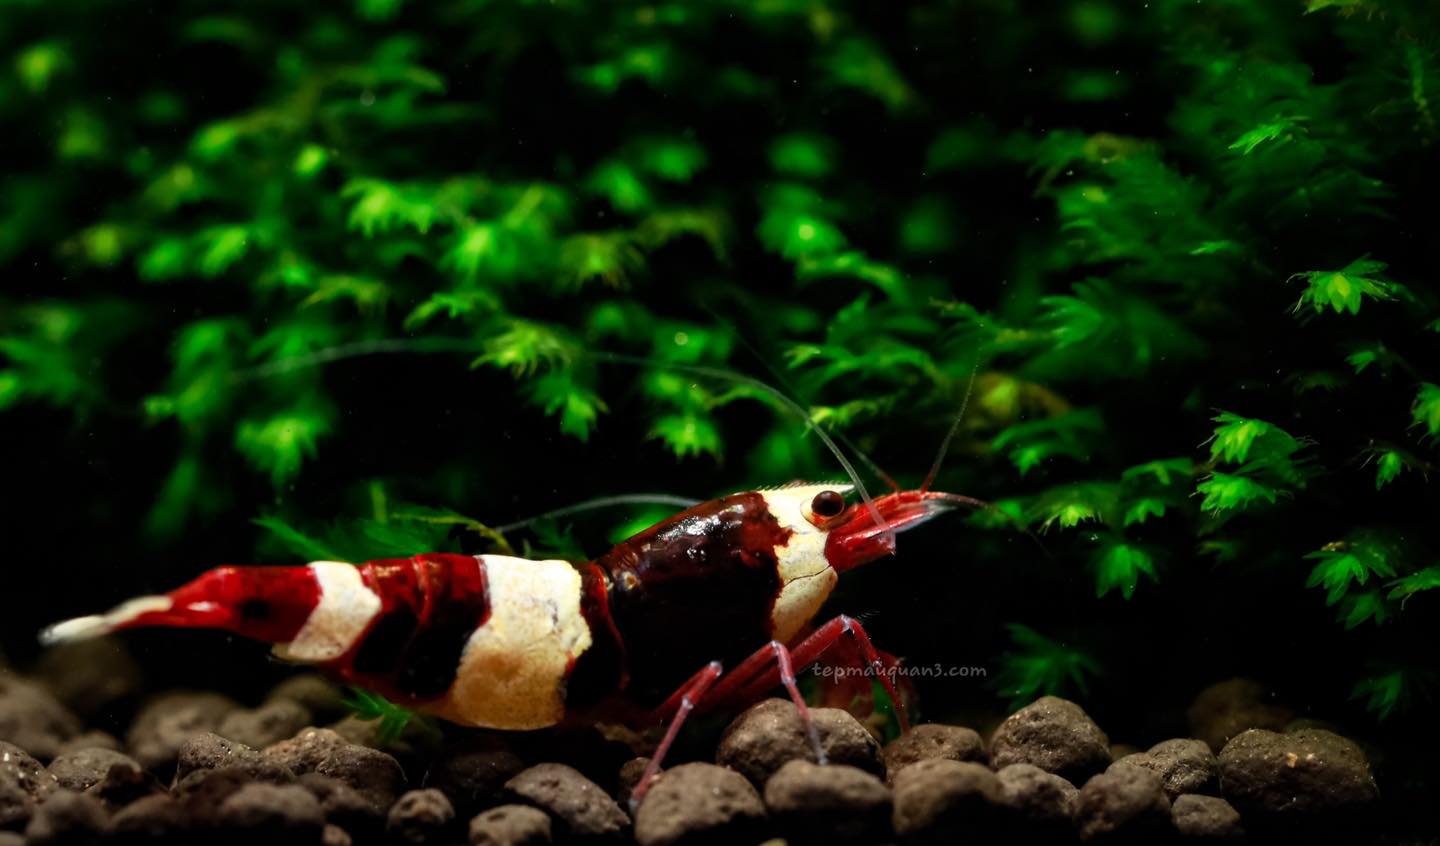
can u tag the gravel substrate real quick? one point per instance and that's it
(200, 768)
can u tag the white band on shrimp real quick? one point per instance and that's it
(342, 614)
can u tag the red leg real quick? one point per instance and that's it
(753, 678)
(683, 701)
(771, 665)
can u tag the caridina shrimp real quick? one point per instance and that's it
(710, 608)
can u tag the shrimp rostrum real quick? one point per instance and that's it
(641, 635)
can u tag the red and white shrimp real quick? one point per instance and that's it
(641, 635)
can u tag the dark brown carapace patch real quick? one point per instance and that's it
(698, 587)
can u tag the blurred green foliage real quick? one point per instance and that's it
(208, 203)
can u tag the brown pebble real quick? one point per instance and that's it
(270, 723)
(1207, 819)
(1185, 765)
(203, 792)
(167, 721)
(82, 768)
(932, 740)
(828, 804)
(1041, 801)
(91, 740)
(91, 676)
(1224, 710)
(1055, 735)
(285, 811)
(511, 825)
(209, 751)
(943, 801)
(334, 835)
(1302, 774)
(124, 784)
(33, 719)
(376, 775)
(699, 803)
(768, 734)
(345, 806)
(69, 818)
(473, 772)
(630, 774)
(151, 819)
(316, 693)
(1125, 802)
(24, 783)
(580, 804)
(419, 817)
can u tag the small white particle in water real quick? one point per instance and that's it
(681, 339)
(367, 98)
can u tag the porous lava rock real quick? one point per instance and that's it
(582, 807)
(68, 818)
(334, 835)
(419, 817)
(1225, 709)
(209, 751)
(33, 719)
(511, 825)
(82, 768)
(1055, 735)
(203, 792)
(372, 773)
(153, 819)
(1307, 773)
(314, 692)
(167, 721)
(1124, 804)
(91, 740)
(943, 801)
(90, 676)
(768, 734)
(699, 804)
(1206, 819)
(473, 771)
(932, 740)
(123, 784)
(1041, 803)
(345, 807)
(835, 803)
(270, 723)
(1185, 765)
(629, 775)
(271, 813)
(24, 784)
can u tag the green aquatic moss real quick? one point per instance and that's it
(1176, 259)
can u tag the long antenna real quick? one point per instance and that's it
(789, 387)
(354, 349)
(792, 405)
(427, 345)
(602, 502)
(954, 426)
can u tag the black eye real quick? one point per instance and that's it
(827, 504)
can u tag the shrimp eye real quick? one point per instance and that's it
(827, 504)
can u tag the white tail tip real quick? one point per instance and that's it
(95, 625)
